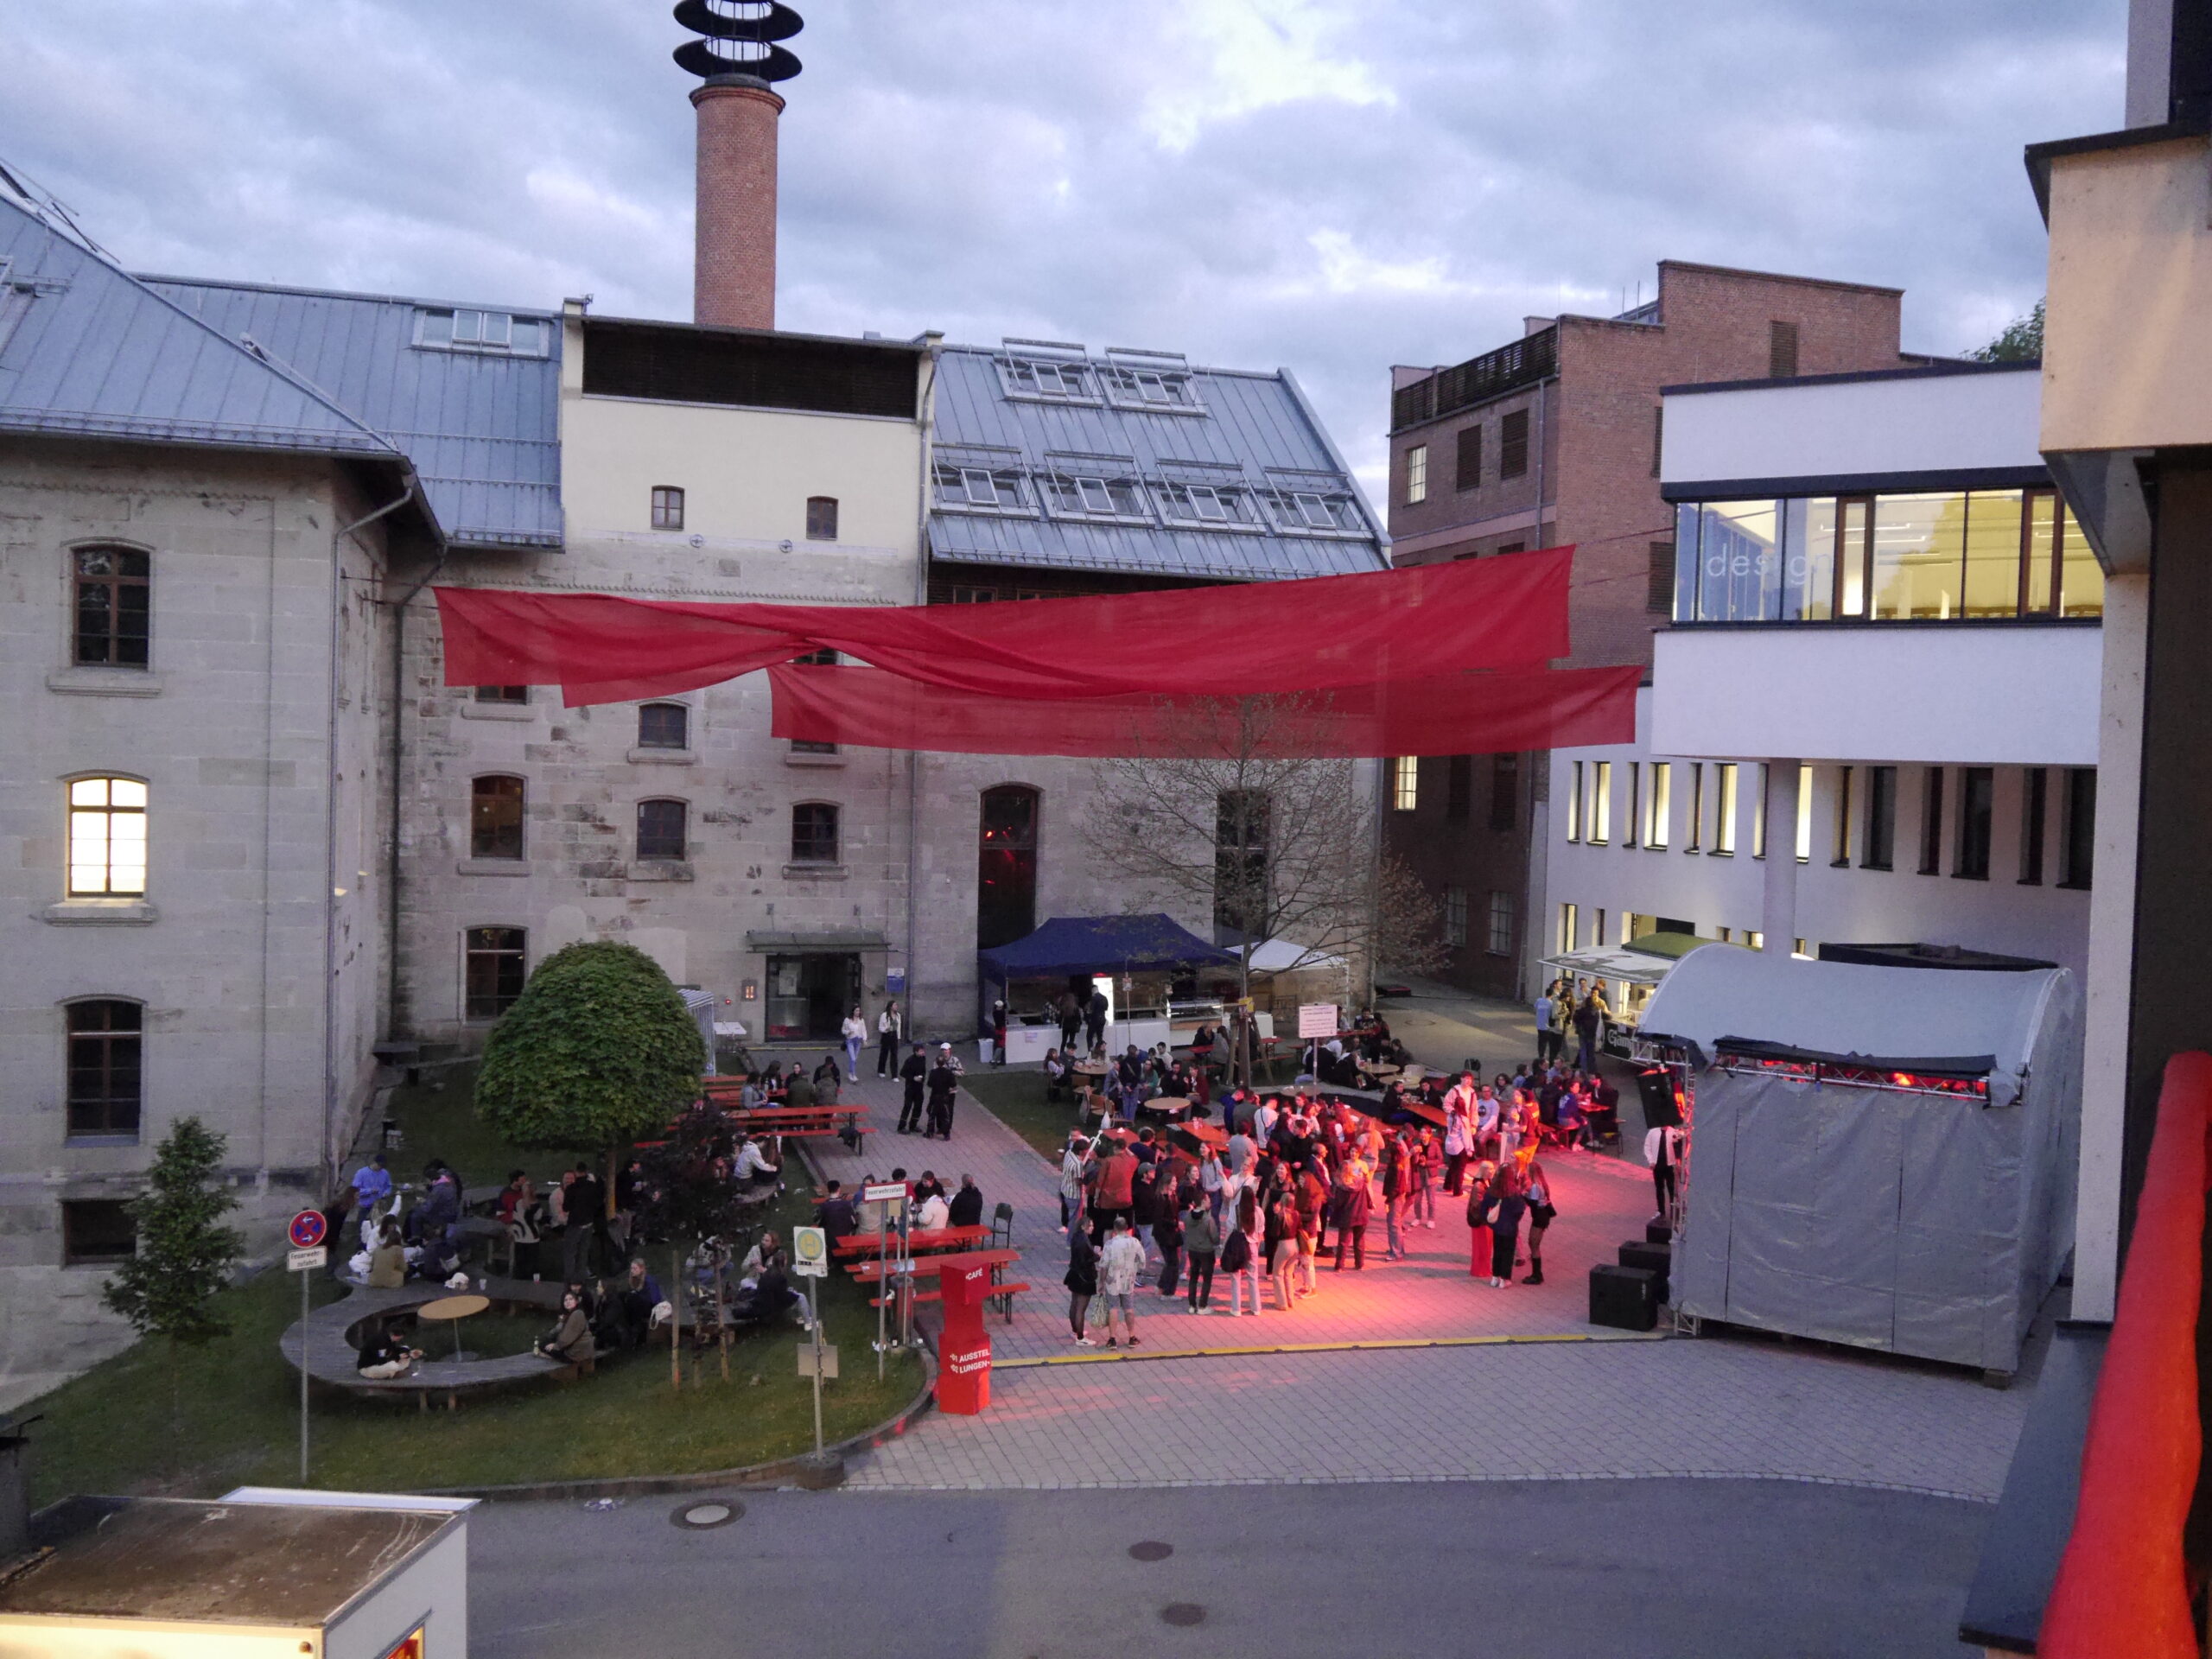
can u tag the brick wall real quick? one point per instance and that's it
(734, 271)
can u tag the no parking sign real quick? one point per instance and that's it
(306, 1229)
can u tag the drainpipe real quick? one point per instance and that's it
(330, 821)
(925, 417)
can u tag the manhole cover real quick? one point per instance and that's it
(700, 1514)
(1150, 1550)
(1182, 1612)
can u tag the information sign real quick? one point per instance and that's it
(306, 1261)
(1317, 1020)
(810, 1252)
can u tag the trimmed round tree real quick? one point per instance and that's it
(598, 1050)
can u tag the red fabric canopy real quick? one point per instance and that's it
(1484, 712)
(1321, 634)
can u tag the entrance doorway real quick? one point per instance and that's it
(809, 995)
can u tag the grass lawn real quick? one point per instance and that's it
(236, 1405)
(1015, 1095)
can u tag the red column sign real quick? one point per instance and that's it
(963, 1377)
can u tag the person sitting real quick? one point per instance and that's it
(799, 1091)
(634, 1300)
(834, 1213)
(966, 1209)
(751, 1167)
(1056, 1075)
(384, 1356)
(770, 1296)
(388, 1260)
(570, 1339)
(932, 1212)
(827, 1077)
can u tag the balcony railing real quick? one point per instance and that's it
(1527, 360)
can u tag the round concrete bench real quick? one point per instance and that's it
(323, 1344)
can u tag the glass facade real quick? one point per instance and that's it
(1935, 557)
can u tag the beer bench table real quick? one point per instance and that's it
(922, 1241)
(929, 1266)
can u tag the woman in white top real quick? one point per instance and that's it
(856, 1034)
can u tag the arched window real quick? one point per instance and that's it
(105, 1091)
(495, 817)
(661, 828)
(107, 838)
(814, 833)
(821, 517)
(113, 608)
(1006, 874)
(664, 726)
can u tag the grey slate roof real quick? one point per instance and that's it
(86, 349)
(1255, 432)
(482, 429)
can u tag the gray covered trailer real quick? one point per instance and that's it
(1878, 1156)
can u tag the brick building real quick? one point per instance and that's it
(1553, 438)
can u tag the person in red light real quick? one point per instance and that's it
(1481, 1205)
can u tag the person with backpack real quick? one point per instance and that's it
(1202, 1247)
(1480, 1206)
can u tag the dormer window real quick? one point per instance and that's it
(1218, 506)
(967, 488)
(1072, 494)
(1167, 391)
(460, 329)
(1055, 378)
(1314, 512)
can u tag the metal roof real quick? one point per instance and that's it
(481, 427)
(1250, 427)
(87, 349)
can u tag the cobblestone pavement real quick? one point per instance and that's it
(1572, 1402)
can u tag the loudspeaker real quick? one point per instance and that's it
(1658, 1232)
(1654, 1259)
(1656, 1086)
(1623, 1298)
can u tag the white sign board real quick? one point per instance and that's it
(306, 1261)
(1317, 1020)
(810, 1252)
(877, 1192)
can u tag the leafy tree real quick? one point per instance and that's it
(2021, 342)
(686, 1191)
(184, 1254)
(597, 1050)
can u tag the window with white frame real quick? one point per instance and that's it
(1130, 386)
(1659, 805)
(107, 838)
(1053, 379)
(1598, 828)
(1724, 825)
(989, 485)
(1567, 927)
(1416, 475)
(1313, 512)
(1455, 917)
(1072, 490)
(1405, 781)
(459, 329)
(1206, 505)
(1574, 805)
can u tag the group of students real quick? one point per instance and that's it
(1294, 1172)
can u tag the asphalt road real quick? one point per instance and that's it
(1626, 1569)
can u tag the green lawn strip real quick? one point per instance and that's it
(236, 1408)
(1016, 1097)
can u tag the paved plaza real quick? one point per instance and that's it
(1487, 1385)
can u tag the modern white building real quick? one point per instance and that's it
(1873, 720)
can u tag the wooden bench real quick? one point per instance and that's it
(923, 1243)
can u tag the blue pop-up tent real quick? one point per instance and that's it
(1099, 944)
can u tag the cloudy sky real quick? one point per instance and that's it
(1312, 183)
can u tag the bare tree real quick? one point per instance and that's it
(1215, 805)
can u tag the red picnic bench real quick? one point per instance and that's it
(870, 1272)
(921, 1242)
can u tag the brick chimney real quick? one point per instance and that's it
(733, 269)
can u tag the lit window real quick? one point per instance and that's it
(1844, 779)
(1405, 781)
(1759, 815)
(664, 726)
(661, 827)
(1455, 917)
(814, 833)
(105, 1089)
(1416, 475)
(96, 1231)
(1724, 828)
(1661, 807)
(1632, 820)
(821, 517)
(495, 968)
(1567, 919)
(114, 606)
(107, 838)
(1804, 842)
(495, 817)
(1598, 828)
(1693, 824)
(668, 507)
(1574, 805)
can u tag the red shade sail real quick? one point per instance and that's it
(1326, 633)
(1487, 712)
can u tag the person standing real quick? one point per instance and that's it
(372, 1185)
(1589, 1030)
(944, 1084)
(1397, 1196)
(1070, 1015)
(889, 1028)
(1428, 1157)
(1202, 1245)
(1547, 1032)
(1511, 1187)
(1285, 1252)
(1071, 1160)
(1354, 1201)
(914, 1074)
(1081, 1280)
(854, 1032)
(998, 1030)
(1113, 1185)
(587, 1213)
(1662, 1150)
(1540, 1216)
(1121, 1264)
(1168, 1234)
(1241, 1251)
(1094, 1019)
